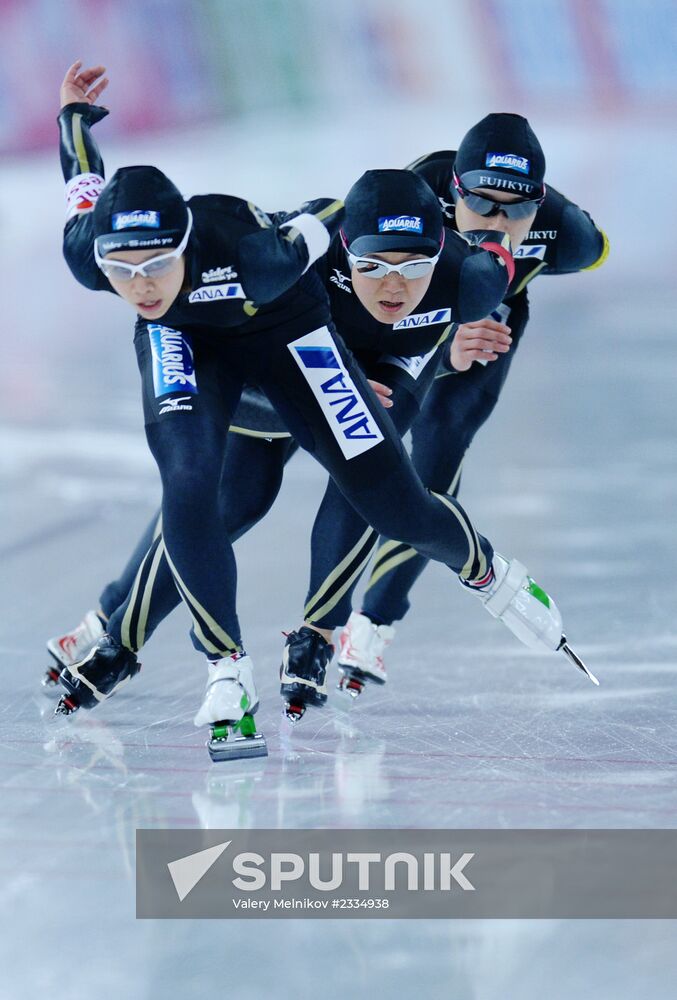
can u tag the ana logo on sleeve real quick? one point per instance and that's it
(424, 319)
(216, 293)
(530, 251)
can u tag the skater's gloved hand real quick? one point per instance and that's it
(483, 340)
(82, 86)
(382, 392)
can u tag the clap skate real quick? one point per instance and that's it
(71, 647)
(510, 595)
(228, 707)
(97, 676)
(303, 674)
(362, 644)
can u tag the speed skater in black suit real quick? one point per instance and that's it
(267, 324)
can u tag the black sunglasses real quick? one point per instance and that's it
(488, 206)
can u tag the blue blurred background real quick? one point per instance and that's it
(177, 63)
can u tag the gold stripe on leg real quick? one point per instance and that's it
(384, 550)
(126, 626)
(147, 595)
(202, 618)
(389, 565)
(335, 598)
(335, 573)
(474, 550)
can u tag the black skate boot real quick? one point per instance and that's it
(303, 673)
(97, 676)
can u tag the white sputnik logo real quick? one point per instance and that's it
(187, 872)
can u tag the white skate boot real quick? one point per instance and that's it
(362, 645)
(70, 648)
(525, 608)
(228, 706)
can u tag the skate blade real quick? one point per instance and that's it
(576, 660)
(294, 711)
(352, 686)
(237, 748)
(66, 706)
(353, 680)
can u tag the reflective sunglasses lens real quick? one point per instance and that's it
(521, 209)
(153, 269)
(370, 268)
(157, 267)
(116, 272)
(482, 206)
(416, 269)
(488, 207)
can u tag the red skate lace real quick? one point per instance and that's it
(484, 582)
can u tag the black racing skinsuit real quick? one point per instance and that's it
(562, 240)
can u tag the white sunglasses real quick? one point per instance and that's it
(379, 269)
(118, 270)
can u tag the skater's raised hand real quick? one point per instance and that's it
(83, 85)
(483, 340)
